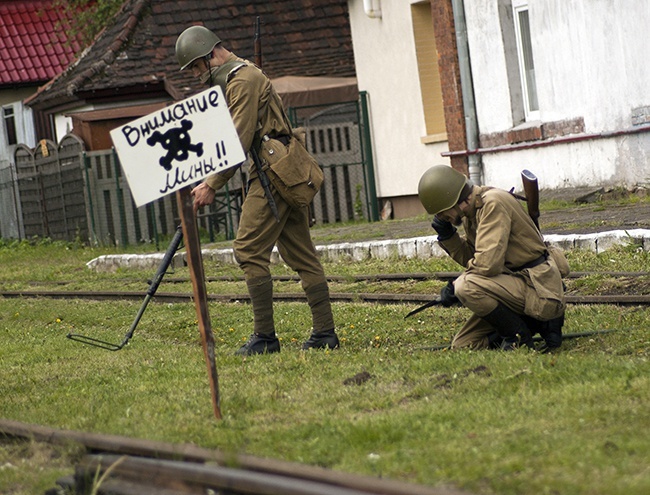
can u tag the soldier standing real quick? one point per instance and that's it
(259, 117)
(511, 283)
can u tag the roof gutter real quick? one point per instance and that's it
(467, 87)
(372, 8)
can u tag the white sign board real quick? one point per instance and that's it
(177, 146)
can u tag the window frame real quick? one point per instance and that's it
(9, 120)
(428, 73)
(524, 55)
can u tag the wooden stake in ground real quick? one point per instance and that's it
(195, 264)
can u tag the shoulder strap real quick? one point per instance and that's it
(225, 72)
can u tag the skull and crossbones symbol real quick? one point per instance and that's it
(177, 142)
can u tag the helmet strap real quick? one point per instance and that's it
(207, 59)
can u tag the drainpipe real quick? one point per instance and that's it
(372, 8)
(467, 88)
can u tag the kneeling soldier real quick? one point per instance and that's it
(510, 283)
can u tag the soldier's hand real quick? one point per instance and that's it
(203, 195)
(444, 228)
(447, 296)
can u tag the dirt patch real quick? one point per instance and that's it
(596, 218)
(585, 211)
(446, 381)
(358, 379)
(595, 210)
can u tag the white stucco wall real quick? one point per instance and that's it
(384, 53)
(63, 125)
(591, 61)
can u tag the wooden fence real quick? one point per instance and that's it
(66, 193)
(10, 226)
(51, 190)
(114, 218)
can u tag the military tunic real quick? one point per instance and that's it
(255, 107)
(500, 242)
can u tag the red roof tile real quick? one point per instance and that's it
(28, 28)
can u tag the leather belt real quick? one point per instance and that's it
(532, 264)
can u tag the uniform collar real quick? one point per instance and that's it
(475, 202)
(205, 77)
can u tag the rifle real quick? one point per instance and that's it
(257, 41)
(264, 179)
(531, 188)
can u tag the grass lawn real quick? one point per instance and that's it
(574, 422)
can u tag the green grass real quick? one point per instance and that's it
(487, 422)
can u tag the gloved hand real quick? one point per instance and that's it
(447, 296)
(444, 229)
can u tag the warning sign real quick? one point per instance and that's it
(178, 146)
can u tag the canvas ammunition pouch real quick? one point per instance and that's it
(557, 255)
(292, 170)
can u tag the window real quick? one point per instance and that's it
(525, 55)
(427, 59)
(10, 125)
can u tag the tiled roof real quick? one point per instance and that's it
(33, 44)
(136, 53)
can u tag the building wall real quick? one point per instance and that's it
(592, 79)
(386, 65)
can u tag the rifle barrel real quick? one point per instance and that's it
(258, 43)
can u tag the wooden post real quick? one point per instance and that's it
(195, 264)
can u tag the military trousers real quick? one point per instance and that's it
(259, 232)
(481, 295)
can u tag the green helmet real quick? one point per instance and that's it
(440, 187)
(193, 43)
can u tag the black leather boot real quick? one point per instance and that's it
(259, 344)
(321, 340)
(263, 340)
(494, 341)
(323, 334)
(511, 327)
(551, 332)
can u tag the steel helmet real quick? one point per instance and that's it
(193, 43)
(440, 187)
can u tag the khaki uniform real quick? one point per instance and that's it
(255, 107)
(501, 240)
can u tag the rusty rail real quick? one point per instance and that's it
(378, 277)
(150, 467)
(381, 298)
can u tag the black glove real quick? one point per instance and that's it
(444, 229)
(447, 296)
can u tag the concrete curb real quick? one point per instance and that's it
(415, 247)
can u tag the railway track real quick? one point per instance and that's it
(379, 298)
(128, 466)
(379, 277)
(373, 297)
